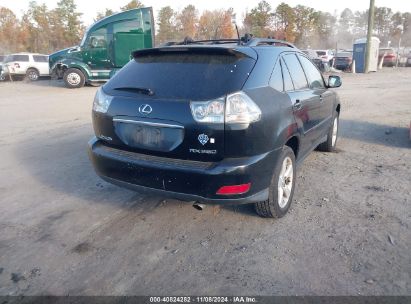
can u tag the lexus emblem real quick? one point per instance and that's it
(145, 109)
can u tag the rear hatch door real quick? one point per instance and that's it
(150, 111)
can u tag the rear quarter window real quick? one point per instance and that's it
(21, 58)
(276, 81)
(39, 58)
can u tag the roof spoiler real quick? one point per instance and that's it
(268, 41)
(246, 40)
(201, 49)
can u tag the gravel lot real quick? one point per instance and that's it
(65, 231)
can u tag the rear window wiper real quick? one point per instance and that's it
(146, 91)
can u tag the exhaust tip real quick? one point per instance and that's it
(199, 206)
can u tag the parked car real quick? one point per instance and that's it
(217, 122)
(343, 61)
(326, 55)
(408, 63)
(27, 64)
(321, 65)
(310, 54)
(390, 56)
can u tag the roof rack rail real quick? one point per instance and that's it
(246, 41)
(268, 41)
(191, 41)
(216, 41)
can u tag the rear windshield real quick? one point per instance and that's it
(321, 53)
(39, 58)
(193, 75)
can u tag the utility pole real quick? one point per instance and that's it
(369, 35)
(401, 29)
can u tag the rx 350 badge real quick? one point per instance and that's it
(203, 139)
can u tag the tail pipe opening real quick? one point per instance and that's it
(198, 206)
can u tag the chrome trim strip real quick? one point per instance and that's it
(153, 124)
(101, 71)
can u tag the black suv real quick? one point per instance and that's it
(214, 122)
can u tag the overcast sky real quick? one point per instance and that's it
(90, 8)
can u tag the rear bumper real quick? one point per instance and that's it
(389, 61)
(184, 179)
(258, 197)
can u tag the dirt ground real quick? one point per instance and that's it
(65, 231)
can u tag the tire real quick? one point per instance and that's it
(332, 136)
(278, 204)
(2, 77)
(32, 74)
(74, 78)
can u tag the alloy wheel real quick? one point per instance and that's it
(285, 182)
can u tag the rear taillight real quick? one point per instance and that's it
(208, 111)
(390, 56)
(101, 101)
(236, 108)
(16, 65)
(234, 189)
(241, 109)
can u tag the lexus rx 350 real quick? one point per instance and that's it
(218, 122)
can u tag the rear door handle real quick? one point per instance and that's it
(321, 97)
(298, 105)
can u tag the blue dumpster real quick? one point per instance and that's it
(359, 49)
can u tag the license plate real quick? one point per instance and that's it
(147, 136)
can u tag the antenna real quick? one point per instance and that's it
(238, 33)
(233, 20)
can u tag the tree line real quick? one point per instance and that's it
(45, 30)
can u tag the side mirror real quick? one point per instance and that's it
(334, 81)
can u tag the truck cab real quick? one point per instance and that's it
(105, 48)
